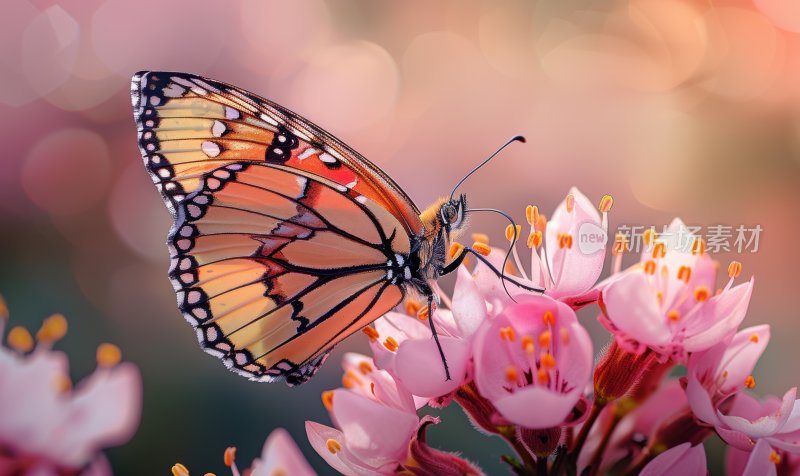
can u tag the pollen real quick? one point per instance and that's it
(659, 250)
(510, 235)
(20, 339)
(511, 374)
(542, 376)
(365, 367)
(391, 344)
(547, 360)
(3, 308)
(108, 355)
(734, 269)
(535, 239)
(179, 470)
(481, 248)
(701, 293)
(480, 238)
(412, 307)
(750, 382)
(327, 399)
(673, 315)
(754, 338)
(333, 446)
(370, 332)
(606, 202)
(548, 318)
(455, 249)
(698, 247)
(229, 456)
(685, 274)
(649, 236)
(53, 329)
(650, 267)
(507, 334)
(545, 338)
(528, 345)
(532, 214)
(564, 240)
(423, 313)
(570, 202)
(774, 457)
(564, 333)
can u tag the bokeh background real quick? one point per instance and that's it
(676, 108)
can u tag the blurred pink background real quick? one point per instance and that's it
(676, 108)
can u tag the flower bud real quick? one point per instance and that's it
(618, 371)
(542, 443)
(481, 412)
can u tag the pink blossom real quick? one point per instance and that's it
(560, 263)
(762, 460)
(372, 429)
(411, 355)
(666, 303)
(46, 426)
(533, 361)
(681, 460)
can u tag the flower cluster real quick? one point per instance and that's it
(47, 426)
(523, 366)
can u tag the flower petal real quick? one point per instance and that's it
(759, 463)
(537, 407)
(632, 306)
(718, 318)
(766, 425)
(681, 460)
(343, 460)
(469, 307)
(418, 366)
(281, 456)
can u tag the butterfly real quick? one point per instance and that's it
(285, 240)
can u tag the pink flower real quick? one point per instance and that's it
(567, 253)
(761, 461)
(404, 344)
(533, 361)
(681, 460)
(372, 428)
(46, 426)
(666, 301)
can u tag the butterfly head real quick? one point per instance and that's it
(453, 215)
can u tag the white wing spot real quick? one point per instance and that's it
(327, 158)
(211, 149)
(231, 113)
(361, 199)
(155, 100)
(351, 184)
(174, 91)
(218, 128)
(268, 119)
(308, 152)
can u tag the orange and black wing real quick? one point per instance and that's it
(273, 266)
(189, 125)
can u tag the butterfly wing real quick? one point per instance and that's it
(189, 125)
(273, 266)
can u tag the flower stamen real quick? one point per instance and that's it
(327, 399)
(179, 470)
(659, 251)
(750, 382)
(606, 202)
(333, 446)
(510, 232)
(481, 248)
(455, 250)
(53, 329)
(370, 332)
(570, 202)
(535, 239)
(547, 360)
(528, 345)
(511, 374)
(532, 214)
(685, 274)
(229, 456)
(698, 246)
(507, 334)
(480, 238)
(701, 293)
(734, 269)
(391, 344)
(545, 338)
(108, 355)
(650, 267)
(20, 339)
(774, 457)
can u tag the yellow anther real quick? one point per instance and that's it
(327, 399)
(480, 238)
(564, 240)
(508, 334)
(535, 239)
(650, 267)
(510, 232)
(423, 313)
(364, 367)
(564, 333)
(179, 470)
(455, 250)
(229, 456)
(53, 328)
(350, 380)
(542, 376)
(649, 236)
(545, 338)
(673, 315)
(532, 214)
(734, 269)
(412, 306)
(750, 382)
(391, 344)
(570, 202)
(698, 246)
(754, 338)
(547, 360)
(548, 318)
(3, 309)
(685, 274)
(606, 202)
(333, 446)
(108, 355)
(774, 457)
(371, 333)
(724, 374)
(701, 293)
(659, 250)
(527, 344)
(20, 339)
(511, 374)
(481, 248)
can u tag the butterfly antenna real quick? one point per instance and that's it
(475, 169)
(510, 248)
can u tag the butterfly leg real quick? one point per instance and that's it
(433, 302)
(460, 258)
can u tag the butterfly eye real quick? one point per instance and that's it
(450, 213)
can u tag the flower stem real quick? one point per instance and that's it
(509, 433)
(597, 408)
(597, 457)
(541, 467)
